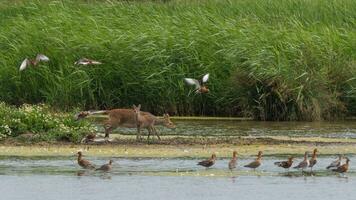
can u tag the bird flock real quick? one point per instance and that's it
(335, 166)
(27, 62)
(200, 85)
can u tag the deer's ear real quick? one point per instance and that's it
(139, 106)
(134, 106)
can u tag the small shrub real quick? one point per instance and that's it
(42, 121)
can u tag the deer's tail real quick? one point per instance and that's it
(84, 114)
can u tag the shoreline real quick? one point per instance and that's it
(127, 146)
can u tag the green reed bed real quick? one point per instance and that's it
(272, 60)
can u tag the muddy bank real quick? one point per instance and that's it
(127, 146)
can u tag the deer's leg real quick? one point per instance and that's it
(138, 132)
(108, 128)
(156, 133)
(149, 133)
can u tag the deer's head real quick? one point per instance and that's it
(167, 121)
(136, 108)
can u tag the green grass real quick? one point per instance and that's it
(272, 60)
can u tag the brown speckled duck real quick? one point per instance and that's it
(106, 167)
(208, 163)
(255, 163)
(84, 163)
(233, 161)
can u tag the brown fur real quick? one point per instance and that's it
(127, 118)
(148, 121)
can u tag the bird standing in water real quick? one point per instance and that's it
(233, 161)
(313, 160)
(304, 164)
(208, 163)
(106, 167)
(335, 163)
(343, 168)
(84, 163)
(33, 62)
(285, 164)
(200, 86)
(255, 163)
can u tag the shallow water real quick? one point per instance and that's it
(340, 129)
(61, 178)
(33, 178)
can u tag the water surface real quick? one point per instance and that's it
(141, 178)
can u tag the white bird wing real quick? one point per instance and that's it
(82, 62)
(24, 64)
(205, 78)
(192, 81)
(41, 57)
(95, 62)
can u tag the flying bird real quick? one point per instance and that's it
(33, 62)
(86, 61)
(200, 86)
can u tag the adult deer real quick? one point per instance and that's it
(126, 118)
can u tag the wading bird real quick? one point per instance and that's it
(313, 160)
(304, 164)
(285, 164)
(86, 61)
(84, 163)
(233, 161)
(335, 163)
(343, 168)
(106, 167)
(33, 62)
(208, 163)
(200, 86)
(255, 163)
